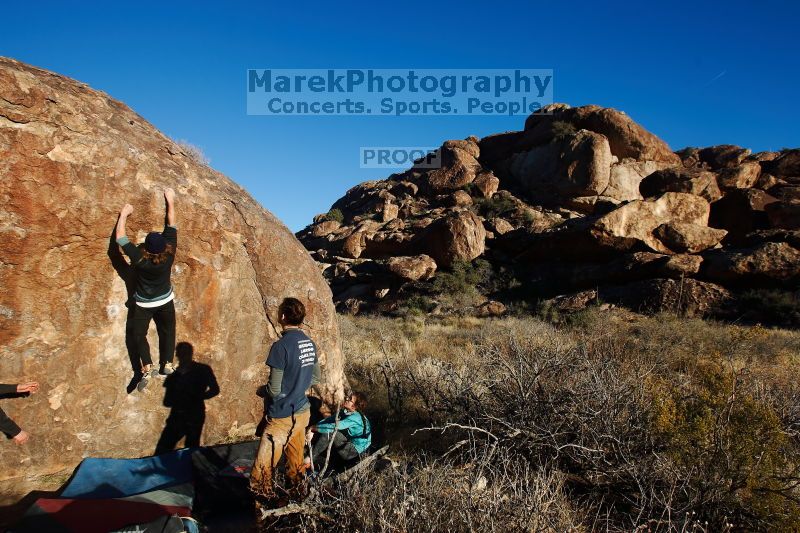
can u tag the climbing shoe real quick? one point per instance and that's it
(143, 381)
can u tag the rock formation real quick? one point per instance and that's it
(583, 199)
(70, 157)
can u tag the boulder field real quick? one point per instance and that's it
(70, 157)
(582, 199)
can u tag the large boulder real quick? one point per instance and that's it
(784, 215)
(563, 276)
(723, 156)
(412, 268)
(741, 211)
(578, 166)
(688, 238)
(500, 226)
(354, 244)
(626, 178)
(460, 165)
(586, 163)
(626, 138)
(742, 176)
(768, 263)
(537, 170)
(634, 223)
(486, 184)
(70, 157)
(364, 197)
(325, 228)
(459, 236)
(786, 164)
(498, 147)
(490, 308)
(788, 192)
(686, 296)
(680, 179)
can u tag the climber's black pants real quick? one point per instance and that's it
(342, 449)
(164, 317)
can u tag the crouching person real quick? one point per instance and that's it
(294, 367)
(351, 437)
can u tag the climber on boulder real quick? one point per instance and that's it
(153, 298)
(7, 426)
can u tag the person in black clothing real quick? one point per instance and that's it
(187, 389)
(154, 296)
(7, 426)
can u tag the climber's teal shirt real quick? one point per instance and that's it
(353, 425)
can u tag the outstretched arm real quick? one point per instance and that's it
(169, 198)
(127, 246)
(123, 217)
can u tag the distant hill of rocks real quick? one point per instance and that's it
(583, 205)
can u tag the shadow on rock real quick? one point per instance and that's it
(186, 391)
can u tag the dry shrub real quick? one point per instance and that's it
(659, 423)
(430, 494)
(193, 152)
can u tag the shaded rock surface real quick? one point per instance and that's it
(581, 199)
(70, 157)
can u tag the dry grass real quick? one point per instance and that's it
(193, 152)
(615, 422)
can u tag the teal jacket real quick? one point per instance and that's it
(353, 425)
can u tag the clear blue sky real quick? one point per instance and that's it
(694, 73)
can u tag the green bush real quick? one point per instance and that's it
(562, 130)
(495, 206)
(528, 216)
(335, 215)
(463, 277)
(737, 458)
(419, 304)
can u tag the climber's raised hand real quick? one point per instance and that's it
(30, 387)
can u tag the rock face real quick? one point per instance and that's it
(690, 180)
(459, 166)
(458, 237)
(583, 199)
(414, 268)
(769, 263)
(636, 221)
(626, 138)
(741, 211)
(70, 157)
(581, 166)
(688, 238)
